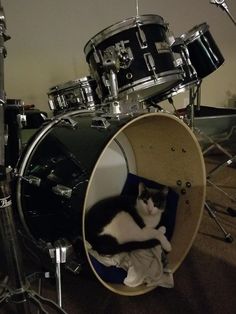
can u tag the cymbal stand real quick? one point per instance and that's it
(195, 97)
(222, 4)
(16, 290)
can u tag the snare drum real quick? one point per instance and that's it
(77, 94)
(72, 163)
(137, 50)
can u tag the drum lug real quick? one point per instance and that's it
(141, 37)
(70, 122)
(150, 64)
(32, 180)
(62, 190)
(100, 123)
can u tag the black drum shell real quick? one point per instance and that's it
(94, 163)
(204, 53)
(137, 74)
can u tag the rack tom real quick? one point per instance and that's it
(138, 52)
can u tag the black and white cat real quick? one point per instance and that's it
(122, 224)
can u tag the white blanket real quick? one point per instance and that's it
(143, 266)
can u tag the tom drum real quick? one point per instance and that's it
(138, 52)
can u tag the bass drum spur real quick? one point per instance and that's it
(72, 163)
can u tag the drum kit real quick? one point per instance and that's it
(105, 126)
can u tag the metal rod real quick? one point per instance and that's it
(223, 5)
(58, 275)
(137, 8)
(2, 93)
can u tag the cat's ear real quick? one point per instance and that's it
(141, 188)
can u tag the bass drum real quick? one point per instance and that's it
(72, 162)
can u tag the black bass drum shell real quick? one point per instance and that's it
(68, 166)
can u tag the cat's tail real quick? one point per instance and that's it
(107, 245)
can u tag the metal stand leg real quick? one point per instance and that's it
(192, 95)
(59, 254)
(228, 237)
(17, 289)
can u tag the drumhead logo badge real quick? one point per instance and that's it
(5, 202)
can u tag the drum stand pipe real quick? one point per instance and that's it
(193, 94)
(222, 4)
(17, 288)
(58, 254)
(228, 237)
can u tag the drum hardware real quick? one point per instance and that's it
(62, 217)
(58, 254)
(211, 211)
(222, 4)
(62, 190)
(195, 99)
(179, 47)
(15, 120)
(17, 289)
(77, 94)
(68, 121)
(111, 67)
(100, 122)
(32, 180)
(140, 51)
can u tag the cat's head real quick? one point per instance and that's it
(151, 201)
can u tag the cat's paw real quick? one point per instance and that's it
(162, 229)
(163, 240)
(166, 245)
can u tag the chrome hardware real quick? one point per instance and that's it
(100, 123)
(58, 254)
(185, 56)
(21, 120)
(150, 64)
(141, 36)
(124, 54)
(32, 180)
(110, 59)
(62, 190)
(95, 54)
(69, 121)
(111, 67)
(74, 267)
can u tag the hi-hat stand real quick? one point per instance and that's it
(16, 290)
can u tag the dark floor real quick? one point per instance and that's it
(204, 283)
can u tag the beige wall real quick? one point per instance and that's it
(48, 38)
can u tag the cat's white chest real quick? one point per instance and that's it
(152, 221)
(123, 228)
